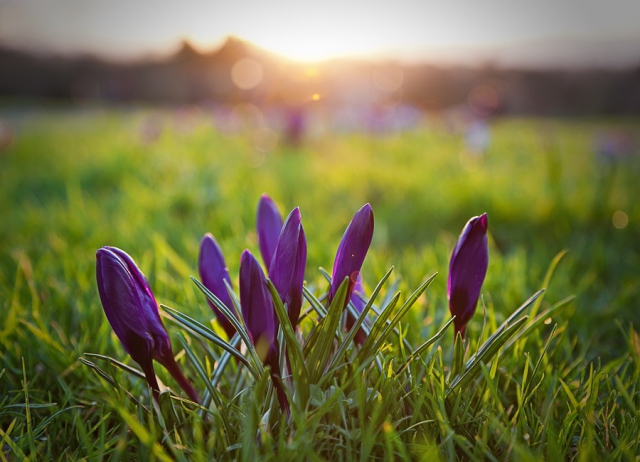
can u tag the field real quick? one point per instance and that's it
(564, 387)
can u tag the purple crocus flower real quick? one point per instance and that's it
(359, 304)
(288, 264)
(467, 270)
(213, 272)
(356, 296)
(257, 306)
(132, 311)
(349, 258)
(352, 250)
(269, 225)
(260, 318)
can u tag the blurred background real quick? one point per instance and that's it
(356, 64)
(145, 124)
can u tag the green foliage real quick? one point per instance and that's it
(556, 379)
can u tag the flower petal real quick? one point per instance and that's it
(121, 302)
(269, 225)
(256, 302)
(467, 270)
(288, 264)
(352, 250)
(162, 344)
(213, 273)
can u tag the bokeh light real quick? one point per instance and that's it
(620, 219)
(247, 73)
(483, 100)
(265, 139)
(387, 79)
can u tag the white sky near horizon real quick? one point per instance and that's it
(408, 29)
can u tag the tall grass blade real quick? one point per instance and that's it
(321, 349)
(293, 350)
(374, 342)
(418, 351)
(207, 334)
(458, 355)
(547, 280)
(484, 355)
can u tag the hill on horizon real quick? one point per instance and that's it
(239, 71)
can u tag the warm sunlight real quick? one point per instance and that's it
(306, 34)
(319, 30)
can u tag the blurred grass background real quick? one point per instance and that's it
(74, 180)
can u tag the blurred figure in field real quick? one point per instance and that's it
(295, 125)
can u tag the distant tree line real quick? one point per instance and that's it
(192, 77)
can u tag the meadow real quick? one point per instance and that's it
(565, 385)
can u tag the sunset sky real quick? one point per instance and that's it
(409, 29)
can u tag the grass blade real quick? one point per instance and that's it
(319, 352)
(547, 280)
(484, 355)
(294, 352)
(373, 344)
(416, 353)
(207, 334)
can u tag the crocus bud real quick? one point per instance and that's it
(356, 296)
(288, 264)
(132, 311)
(359, 304)
(352, 250)
(213, 273)
(259, 316)
(257, 306)
(269, 225)
(467, 270)
(349, 258)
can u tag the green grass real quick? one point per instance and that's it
(564, 388)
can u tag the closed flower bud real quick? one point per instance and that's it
(260, 318)
(467, 271)
(132, 311)
(352, 250)
(288, 265)
(269, 225)
(213, 273)
(349, 259)
(257, 306)
(359, 304)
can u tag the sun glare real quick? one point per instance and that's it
(304, 34)
(299, 47)
(312, 31)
